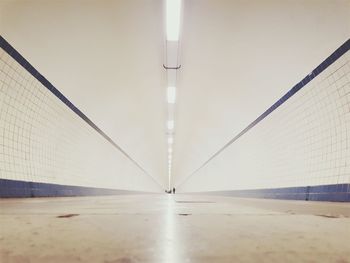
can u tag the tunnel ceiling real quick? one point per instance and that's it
(237, 59)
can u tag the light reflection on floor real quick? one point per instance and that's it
(171, 240)
(172, 229)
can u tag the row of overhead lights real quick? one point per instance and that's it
(173, 20)
(171, 98)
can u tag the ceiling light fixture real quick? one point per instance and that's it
(173, 8)
(170, 125)
(170, 140)
(171, 95)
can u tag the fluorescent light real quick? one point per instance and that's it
(170, 125)
(171, 95)
(173, 8)
(170, 140)
(170, 150)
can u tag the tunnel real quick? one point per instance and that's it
(174, 131)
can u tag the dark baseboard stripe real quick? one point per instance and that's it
(332, 192)
(14, 189)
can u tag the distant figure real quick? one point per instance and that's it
(173, 190)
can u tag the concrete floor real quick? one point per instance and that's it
(172, 229)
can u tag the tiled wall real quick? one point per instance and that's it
(303, 140)
(44, 138)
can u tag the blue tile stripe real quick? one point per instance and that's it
(14, 188)
(332, 192)
(325, 64)
(25, 64)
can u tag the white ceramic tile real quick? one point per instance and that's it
(43, 140)
(303, 142)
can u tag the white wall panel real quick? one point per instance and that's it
(306, 141)
(43, 140)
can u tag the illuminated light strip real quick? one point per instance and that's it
(173, 11)
(171, 94)
(173, 23)
(170, 140)
(170, 125)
